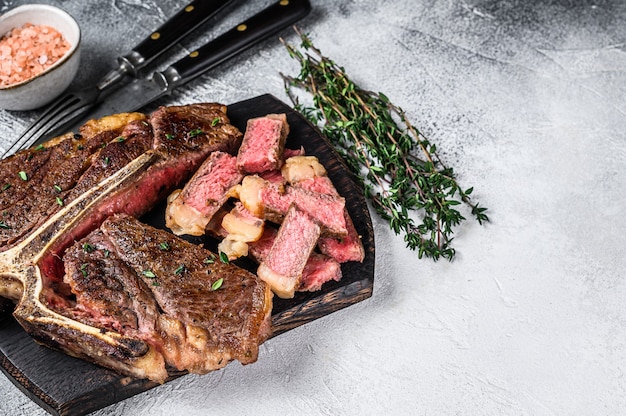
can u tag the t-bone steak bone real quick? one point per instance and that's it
(119, 164)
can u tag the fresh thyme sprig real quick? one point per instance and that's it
(399, 169)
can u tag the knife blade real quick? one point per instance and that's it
(143, 91)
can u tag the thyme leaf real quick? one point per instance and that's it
(217, 284)
(195, 132)
(149, 274)
(180, 270)
(88, 248)
(398, 167)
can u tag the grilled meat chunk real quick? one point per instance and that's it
(282, 267)
(168, 301)
(263, 144)
(189, 210)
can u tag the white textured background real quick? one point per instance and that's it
(527, 100)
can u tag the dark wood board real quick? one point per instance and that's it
(63, 385)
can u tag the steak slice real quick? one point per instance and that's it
(169, 301)
(263, 144)
(326, 209)
(282, 267)
(190, 210)
(345, 248)
(319, 268)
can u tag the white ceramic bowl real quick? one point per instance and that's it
(43, 88)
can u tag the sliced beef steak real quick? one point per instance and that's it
(326, 209)
(263, 144)
(319, 268)
(190, 210)
(282, 267)
(169, 302)
(345, 248)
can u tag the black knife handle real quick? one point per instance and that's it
(265, 23)
(168, 34)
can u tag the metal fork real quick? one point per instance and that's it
(64, 110)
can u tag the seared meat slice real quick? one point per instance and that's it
(345, 248)
(282, 267)
(169, 301)
(189, 210)
(318, 269)
(326, 209)
(263, 144)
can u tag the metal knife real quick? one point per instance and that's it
(142, 91)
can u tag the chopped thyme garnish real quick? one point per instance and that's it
(169, 136)
(210, 259)
(224, 257)
(83, 269)
(6, 186)
(149, 274)
(120, 139)
(40, 147)
(59, 201)
(23, 175)
(164, 246)
(217, 284)
(58, 188)
(195, 132)
(4, 225)
(88, 248)
(215, 121)
(180, 270)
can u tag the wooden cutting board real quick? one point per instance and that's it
(63, 385)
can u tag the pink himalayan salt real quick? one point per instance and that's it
(28, 51)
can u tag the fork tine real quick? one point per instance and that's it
(35, 129)
(54, 114)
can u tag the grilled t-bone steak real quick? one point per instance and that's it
(56, 194)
